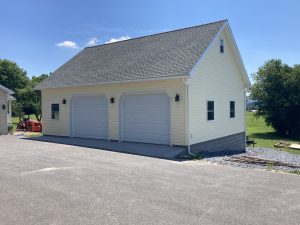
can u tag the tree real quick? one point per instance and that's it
(12, 76)
(30, 99)
(35, 80)
(277, 94)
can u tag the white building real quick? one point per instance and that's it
(5, 109)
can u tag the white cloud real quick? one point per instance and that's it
(67, 44)
(122, 38)
(92, 41)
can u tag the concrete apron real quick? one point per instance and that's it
(150, 150)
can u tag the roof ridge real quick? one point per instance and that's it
(150, 35)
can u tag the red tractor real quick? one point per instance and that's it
(29, 125)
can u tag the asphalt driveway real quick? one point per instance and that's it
(48, 183)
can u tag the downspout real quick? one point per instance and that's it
(9, 110)
(245, 116)
(187, 115)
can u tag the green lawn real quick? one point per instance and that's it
(15, 121)
(264, 135)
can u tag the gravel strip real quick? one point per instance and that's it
(263, 153)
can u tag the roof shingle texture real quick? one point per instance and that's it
(163, 55)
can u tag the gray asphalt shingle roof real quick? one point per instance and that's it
(163, 55)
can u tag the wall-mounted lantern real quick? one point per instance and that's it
(177, 98)
(3, 107)
(112, 100)
(64, 101)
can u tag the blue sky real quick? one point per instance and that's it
(41, 35)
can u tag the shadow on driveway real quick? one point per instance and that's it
(150, 150)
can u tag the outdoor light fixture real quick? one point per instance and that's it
(3, 107)
(64, 101)
(177, 98)
(112, 100)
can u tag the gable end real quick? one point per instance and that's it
(225, 29)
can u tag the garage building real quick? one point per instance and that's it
(184, 87)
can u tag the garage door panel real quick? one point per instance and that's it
(141, 135)
(150, 121)
(85, 128)
(86, 135)
(143, 128)
(82, 107)
(150, 139)
(146, 118)
(90, 119)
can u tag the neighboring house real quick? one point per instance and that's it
(184, 87)
(5, 109)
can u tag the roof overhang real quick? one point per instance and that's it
(10, 98)
(117, 82)
(6, 90)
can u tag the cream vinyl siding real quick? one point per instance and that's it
(61, 127)
(217, 78)
(3, 113)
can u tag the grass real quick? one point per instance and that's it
(270, 166)
(264, 135)
(32, 134)
(297, 172)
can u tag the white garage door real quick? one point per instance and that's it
(89, 117)
(146, 118)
